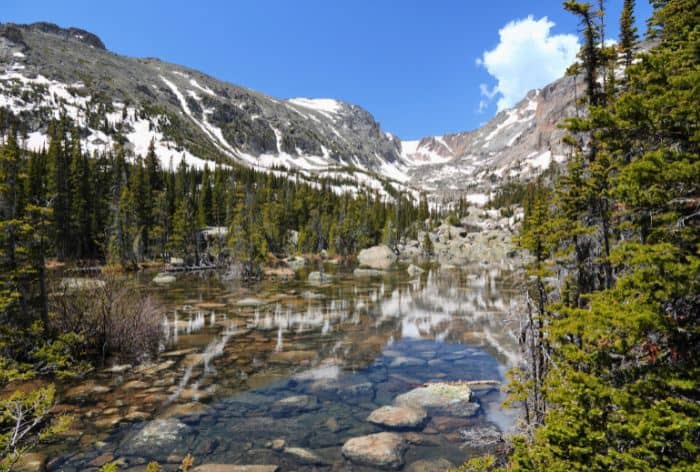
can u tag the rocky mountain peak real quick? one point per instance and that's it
(13, 32)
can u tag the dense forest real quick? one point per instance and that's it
(125, 209)
(611, 333)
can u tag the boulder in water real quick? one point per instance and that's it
(383, 450)
(159, 434)
(451, 398)
(377, 257)
(397, 417)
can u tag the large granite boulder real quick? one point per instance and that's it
(377, 257)
(383, 450)
(397, 417)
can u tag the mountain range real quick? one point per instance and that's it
(47, 71)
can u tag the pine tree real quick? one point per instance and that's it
(628, 33)
(205, 200)
(59, 160)
(153, 170)
(80, 198)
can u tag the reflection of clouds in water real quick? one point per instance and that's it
(447, 306)
(324, 372)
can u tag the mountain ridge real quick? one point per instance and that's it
(46, 70)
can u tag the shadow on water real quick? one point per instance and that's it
(256, 374)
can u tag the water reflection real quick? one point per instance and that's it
(233, 353)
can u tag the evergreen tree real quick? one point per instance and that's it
(80, 198)
(628, 33)
(205, 200)
(59, 160)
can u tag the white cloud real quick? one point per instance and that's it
(526, 57)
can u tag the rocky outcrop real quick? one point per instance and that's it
(377, 257)
(383, 450)
(519, 143)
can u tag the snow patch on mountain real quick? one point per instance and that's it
(324, 106)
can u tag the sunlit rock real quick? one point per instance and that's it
(384, 450)
(396, 417)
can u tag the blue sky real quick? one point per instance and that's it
(418, 66)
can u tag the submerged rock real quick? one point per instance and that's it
(192, 411)
(278, 444)
(438, 465)
(398, 417)
(305, 456)
(294, 405)
(377, 257)
(158, 434)
(86, 390)
(235, 468)
(384, 450)
(31, 462)
(292, 357)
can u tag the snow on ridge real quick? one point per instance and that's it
(409, 148)
(139, 134)
(415, 155)
(141, 137)
(203, 88)
(327, 105)
(210, 130)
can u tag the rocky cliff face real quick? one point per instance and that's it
(518, 143)
(46, 71)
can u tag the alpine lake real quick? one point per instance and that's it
(285, 372)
